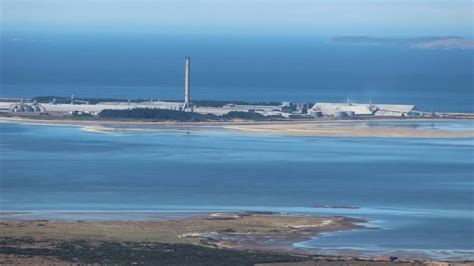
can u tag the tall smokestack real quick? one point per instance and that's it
(187, 77)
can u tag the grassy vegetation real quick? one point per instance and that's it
(164, 242)
(128, 253)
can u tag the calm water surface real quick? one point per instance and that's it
(418, 191)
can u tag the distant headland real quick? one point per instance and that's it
(446, 42)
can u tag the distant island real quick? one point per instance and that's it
(447, 42)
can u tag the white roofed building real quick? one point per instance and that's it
(357, 109)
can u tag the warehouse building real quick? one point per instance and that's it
(355, 109)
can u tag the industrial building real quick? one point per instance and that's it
(285, 109)
(23, 107)
(356, 109)
(297, 108)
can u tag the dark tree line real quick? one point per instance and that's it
(172, 115)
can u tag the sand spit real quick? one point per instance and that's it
(316, 128)
(348, 130)
(109, 129)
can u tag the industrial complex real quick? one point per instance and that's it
(284, 110)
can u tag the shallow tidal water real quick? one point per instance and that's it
(417, 192)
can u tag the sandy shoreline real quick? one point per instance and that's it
(316, 128)
(354, 130)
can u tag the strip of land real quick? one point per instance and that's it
(245, 238)
(348, 130)
(320, 128)
(218, 229)
(236, 238)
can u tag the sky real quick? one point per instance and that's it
(402, 18)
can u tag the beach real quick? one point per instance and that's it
(346, 129)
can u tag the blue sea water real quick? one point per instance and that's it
(233, 68)
(418, 192)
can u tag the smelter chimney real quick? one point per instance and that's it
(187, 82)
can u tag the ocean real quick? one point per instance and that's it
(304, 69)
(418, 193)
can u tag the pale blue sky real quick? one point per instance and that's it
(258, 17)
